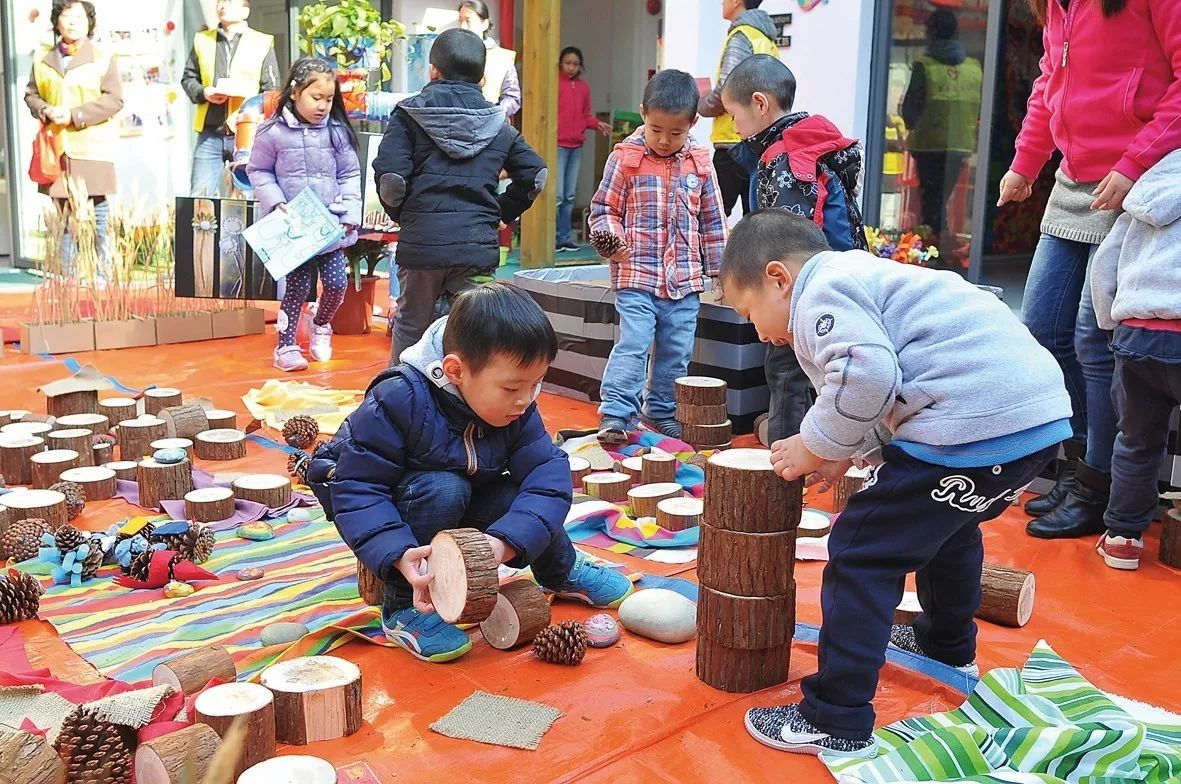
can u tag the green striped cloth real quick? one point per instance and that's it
(1043, 724)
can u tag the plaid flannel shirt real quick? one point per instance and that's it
(668, 211)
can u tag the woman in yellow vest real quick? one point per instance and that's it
(76, 88)
(501, 85)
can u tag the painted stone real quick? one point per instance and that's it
(601, 631)
(251, 573)
(176, 590)
(169, 456)
(258, 531)
(299, 515)
(282, 633)
(660, 614)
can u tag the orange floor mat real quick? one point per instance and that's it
(634, 712)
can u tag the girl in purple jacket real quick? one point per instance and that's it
(309, 143)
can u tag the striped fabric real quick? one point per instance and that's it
(1043, 724)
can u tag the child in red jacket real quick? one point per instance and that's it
(574, 120)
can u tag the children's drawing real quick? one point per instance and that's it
(285, 239)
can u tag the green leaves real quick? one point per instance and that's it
(351, 19)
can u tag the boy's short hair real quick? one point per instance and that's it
(672, 91)
(765, 236)
(459, 55)
(762, 73)
(497, 318)
(942, 25)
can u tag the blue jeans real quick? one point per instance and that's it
(569, 159)
(434, 501)
(214, 149)
(1059, 313)
(645, 320)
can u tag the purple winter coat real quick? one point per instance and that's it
(289, 155)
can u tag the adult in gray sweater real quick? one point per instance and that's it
(939, 386)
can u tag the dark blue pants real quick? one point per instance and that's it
(434, 501)
(791, 392)
(911, 517)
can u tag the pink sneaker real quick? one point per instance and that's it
(1120, 552)
(289, 359)
(321, 342)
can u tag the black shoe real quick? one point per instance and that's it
(1081, 512)
(613, 430)
(1075, 450)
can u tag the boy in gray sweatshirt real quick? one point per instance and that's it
(940, 387)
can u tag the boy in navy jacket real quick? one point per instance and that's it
(452, 438)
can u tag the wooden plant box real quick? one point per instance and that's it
(57, 338)
(125, 334)
(188, 328)
(237, 322)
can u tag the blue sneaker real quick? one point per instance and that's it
(426, 637)
(596, 585)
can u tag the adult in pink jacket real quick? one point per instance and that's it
(1108, 98)
(575, 118)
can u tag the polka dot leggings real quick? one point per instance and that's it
(334, 279)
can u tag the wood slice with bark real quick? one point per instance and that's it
(97, 424)
(316, 698)
(209, 504)
(49, 505)
(657, 467)
(521, 612)
(746, 564)
(220, 445)
(643, 499)
(97, 482)
(701, 391)
(101, 452)
(846, 486)
(30, 428)
(179, 757)
(185, 421)
(78, 439)
(1170, 538)
(679, 514)
(632, 466)
(749, 622)
(579, 467)
(157, 399)
(48, 466)
(689, 414)
(136, 436)
(221, 419)
(16, 449)
(607, 486)
(124, 469)
(26, 758)
(813, 525)
(270, 490)
(173, 443)
(163, 482)
(84, 401)
(464, 588)
(741, 670)
(118, 409)
(908, 609)
(1008, 595)
(743, 493)
(369, 586)
(218, 706)
(191, 672)
(707, 436)
(297, 768)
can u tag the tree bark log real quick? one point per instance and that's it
(607, 486)
(744, 494)
(464, 588)
(679, 514)
(579, 467)
(746, 622)
(521, 612)
(136, 437)
(210, 504)
(316, 698)
(49, 465)
(170, 758)
(191, 672)
(644, 499)
(1170, 538)
(707, 436)
(370, 586)
(78, 439)
(220, 445)
(160, 398)
(846, 486)
(16, 451)
(689, 414)
(49, 505)
(124, 469)
(908, 609)
(220, 419)
(218, 706)
(185, 421)
(97, 482)
(97, 424)
(746, 564)
(163, 482)
(632, 466)
(270, 490)
(701, 391)
(26, 758)
(658, 467)
(117, 409)
(84, 401)
(1008, 595)
(740, 670)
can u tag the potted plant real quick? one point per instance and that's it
(356, 312)
(348, 34)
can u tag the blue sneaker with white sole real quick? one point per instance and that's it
(596, 585)
(425, 636)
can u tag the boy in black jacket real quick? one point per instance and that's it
(437, 172)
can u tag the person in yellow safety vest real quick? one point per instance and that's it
(226, 66)
(76, 89)
(501, 85)
(751, 32)
(942, 110)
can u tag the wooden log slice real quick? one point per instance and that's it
(657, 467)
(607, 486)
(26, 758)
(191, 672)
(707, 436)
(23, 428)
(908, 609)
(16, 449)
(370, 587)
(97, 424)
(749, 622)
(689, 414)
(136, 436)
(521, 612)
(1170, 538)
(679, 514)
(49, 505)
(173, 443)
(6, 417)
(78, 439)
(746, 564)
(813, 524)
(185, 421)
(163, 482)
(159, 398)
(220, 419)
(124, 469)
(316, 698)
(48, 465)
(270, 490)
(741, 670)
(291, 769)
(743, 493)
(97, 482)
(177, 757)
(101, 453)
(579, 467)
(220, 445)
(218, 706)
(209, 504)
(1008, 595)
(84, 401)
(117, 409)
(632, 466)
(464, 588)
(643, 499)
(846, 486)
(701, 391)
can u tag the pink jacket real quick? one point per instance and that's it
(1109, 94)
(575, 117)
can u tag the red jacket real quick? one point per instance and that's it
(574, 112)
(1109, 95)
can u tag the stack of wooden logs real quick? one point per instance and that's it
(701, 410)
(745, 565)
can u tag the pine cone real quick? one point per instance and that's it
(605, 243)
(95, 751)
(195, 545)
(140, 566)
(22, 540)
(561, 644)
(297, 466)
(67, 538)
(300, 431)
(94, 559)
(20, 597)
(75, 497)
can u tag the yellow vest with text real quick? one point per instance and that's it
(952, 109)
(81, 84)
(245, 65)
(724, 131)
(496, 67)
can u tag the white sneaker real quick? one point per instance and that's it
(321, 342)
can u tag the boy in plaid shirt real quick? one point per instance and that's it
(657, 217)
